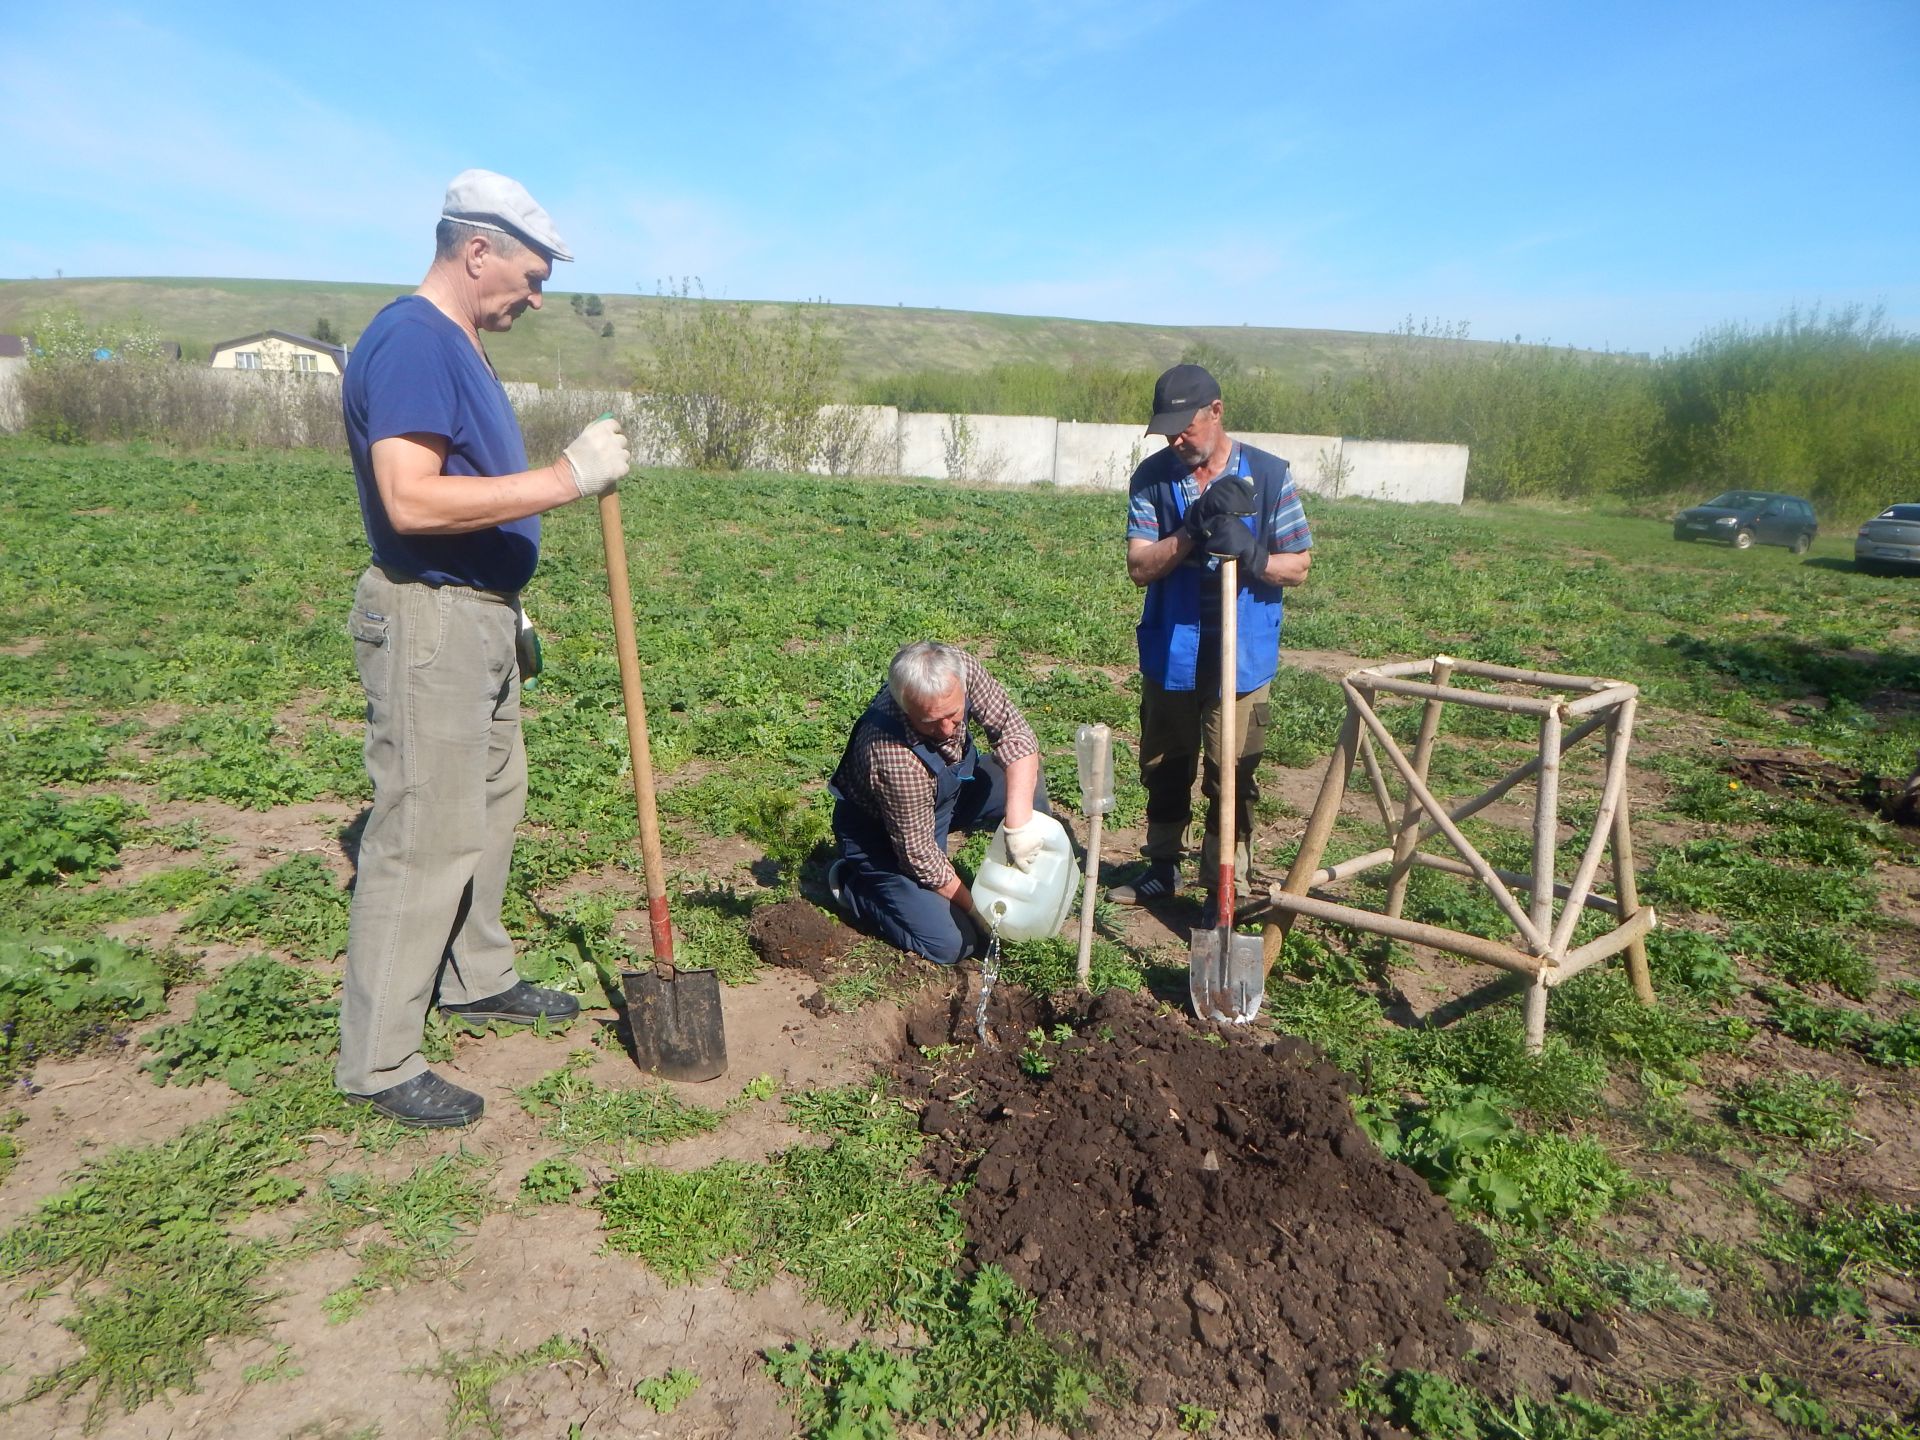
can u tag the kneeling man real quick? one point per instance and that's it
(910, 776)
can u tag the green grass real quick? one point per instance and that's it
(144, 1237)
(754, 672)
(471, 1376)
(297, 906)
(424, 1220)
(578, 1113)
(260, 1017)
(1798, 1109)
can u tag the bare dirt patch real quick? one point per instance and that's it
(795, 935)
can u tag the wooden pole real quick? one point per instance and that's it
(1462, 846)
(1084, 968)
(628, 654)
(1313, 844)
(1611, 791)
(1627, 886)
(1408, 836)
(1546, 837)
(1474, 947)
(1377, 782)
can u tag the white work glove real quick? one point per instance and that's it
(599, 456)
(1024, 843)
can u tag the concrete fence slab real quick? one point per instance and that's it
(1100, 457)
(1405, 470)
(1000, 449)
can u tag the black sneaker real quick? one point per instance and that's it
(425, 1102)
(1159, 881)
(522, 1005)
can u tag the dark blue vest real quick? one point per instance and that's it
(1169, 630)
(853, 820)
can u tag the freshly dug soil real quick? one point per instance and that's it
(798, 936)
(1196, 1202)
(1791, 772)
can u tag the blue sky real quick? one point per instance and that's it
(1606, 175)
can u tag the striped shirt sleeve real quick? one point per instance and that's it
(1287, 520)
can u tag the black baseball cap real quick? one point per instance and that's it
(1178, 396)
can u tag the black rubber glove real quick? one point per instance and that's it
(1232, 538)
(1227, 495)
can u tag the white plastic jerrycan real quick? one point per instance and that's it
(1027, 904)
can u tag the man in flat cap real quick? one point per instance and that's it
(1206, 495)
(452, 513)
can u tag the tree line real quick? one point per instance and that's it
(1820, 404)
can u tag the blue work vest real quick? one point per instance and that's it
(1169, 630)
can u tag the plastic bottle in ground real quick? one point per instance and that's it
(1027, 904)
(1093, 750)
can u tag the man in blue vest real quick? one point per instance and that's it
(1204, 496)
(911, 776)
(451, 509)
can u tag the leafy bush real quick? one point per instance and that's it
(70, 750)
(1472, 1153)
(259, 1017)
(44, 837)
(727, 390)
(57, 996)
(297, 906)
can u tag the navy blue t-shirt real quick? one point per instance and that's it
(415, 372)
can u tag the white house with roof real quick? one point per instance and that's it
(280, 350)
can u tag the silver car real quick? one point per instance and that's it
(1889, 541)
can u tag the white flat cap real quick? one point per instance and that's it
(495, 202)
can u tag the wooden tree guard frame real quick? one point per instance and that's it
(1542, 954)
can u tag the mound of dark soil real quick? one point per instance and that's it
(1196, 1202)
(1797, 772)
(798, 936)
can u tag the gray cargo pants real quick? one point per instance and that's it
(449, 776)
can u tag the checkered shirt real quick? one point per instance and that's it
(887, 780)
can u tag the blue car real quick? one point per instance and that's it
(1745, 518)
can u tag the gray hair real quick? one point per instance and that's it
(449, 236)
(924, 671)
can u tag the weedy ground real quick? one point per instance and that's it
(197, 1230)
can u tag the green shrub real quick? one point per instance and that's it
(59, 996)
(44, 838)
(259, 1018)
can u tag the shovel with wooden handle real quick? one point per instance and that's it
(1226, 974)
(674, 1015)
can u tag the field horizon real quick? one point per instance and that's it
(563, 347)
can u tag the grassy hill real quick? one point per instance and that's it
(562, 346)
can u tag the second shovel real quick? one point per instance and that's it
(1226, 973)
(674, 1014)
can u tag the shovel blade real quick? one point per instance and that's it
(1226, 976)
(678, 1030)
